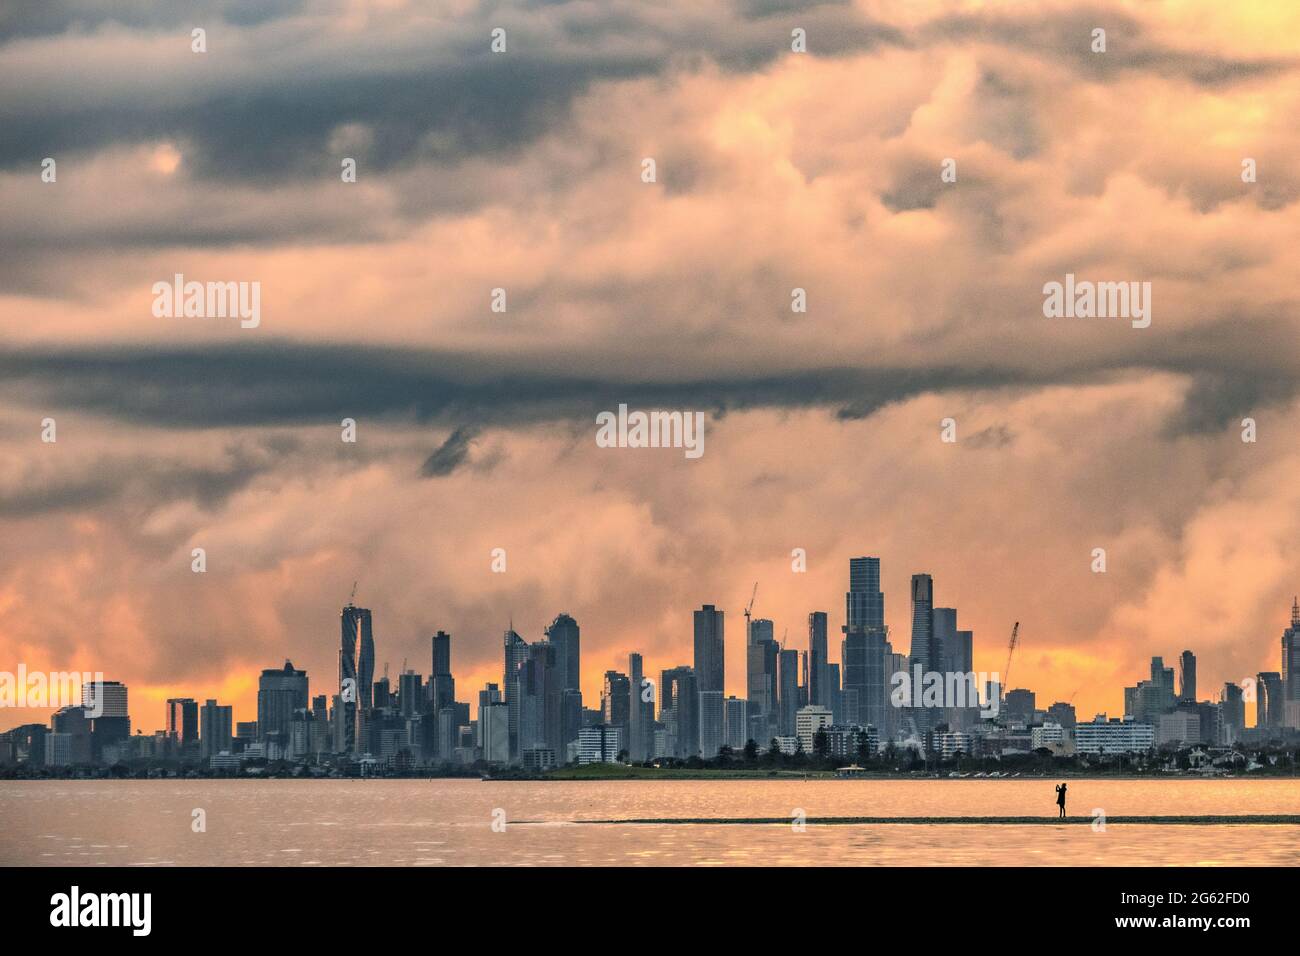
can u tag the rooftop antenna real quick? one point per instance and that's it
(352, 596)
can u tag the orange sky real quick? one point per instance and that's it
(522, 171)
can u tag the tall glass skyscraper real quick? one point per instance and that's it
(865, 691)
(357, 666)
(710, 658)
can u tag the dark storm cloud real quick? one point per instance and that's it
(1066, 37)
(264, 109)
(285, 383)
(147, 479)
(38, 18)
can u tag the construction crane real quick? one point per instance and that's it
(1011, 649)
(750, 608)
(353, 595)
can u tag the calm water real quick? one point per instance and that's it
(448, 822)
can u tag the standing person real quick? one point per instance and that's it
(1060, 798)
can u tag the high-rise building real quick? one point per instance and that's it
(710, 652)
(819, 665)
(183, 720)
(112, 726)
(516, 652)
(1232, 708)
(735, 723)
(1187, 677)
(410, 694)
(564, 633)
(442, 686)
(641, 717)
(712, 723)
(1291, 655)
(1270, 705)
(760, 680)
(679, 709)
(280, 691)
(787, 693)
(864, 697)
(356, 673)
(215, 723)
(616, 702)
(923, 643)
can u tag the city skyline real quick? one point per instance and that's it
(356, 659)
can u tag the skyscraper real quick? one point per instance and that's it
(183, 720)
(679, 709)
(819, 667)
(787, 692)
(1187, 677)
(616, 703)
(564, 633)
(760, 681)
(641, 717)
(516, 652)
(356, 672)
(442, 686)
(1291, 655)
(712, 723)
(865, 685)
(215, 729)
(280, 691)
(709, 649)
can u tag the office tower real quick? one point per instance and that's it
(787, 693)
(641, 718)
(712, 723)
(442, 686)
(1270, 706)
(679, 709)
(735, 723)
(923, 644)
(1062, 714)
(833, 693)
(112, 726)
(709, 649)
(564, 633)
(1019, 706)
(280, 691)
(943, 639)
(183, 720)
(382, 696)
(356, 672)
(215, 722)
(494, 731)
(616, 702)
(1187, 677)
(540, 700)
(1163, 678)
(75, 729)
(109, 697)
(819, 666)
(1232, 706)
(410, 694)
(760, 680)
(570, 721)
(1291, 656)
(516, 652)
(865, 685)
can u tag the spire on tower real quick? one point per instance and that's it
(1295, 611)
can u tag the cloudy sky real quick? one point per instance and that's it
(522, 171)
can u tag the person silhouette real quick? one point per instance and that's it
(1060, 798)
